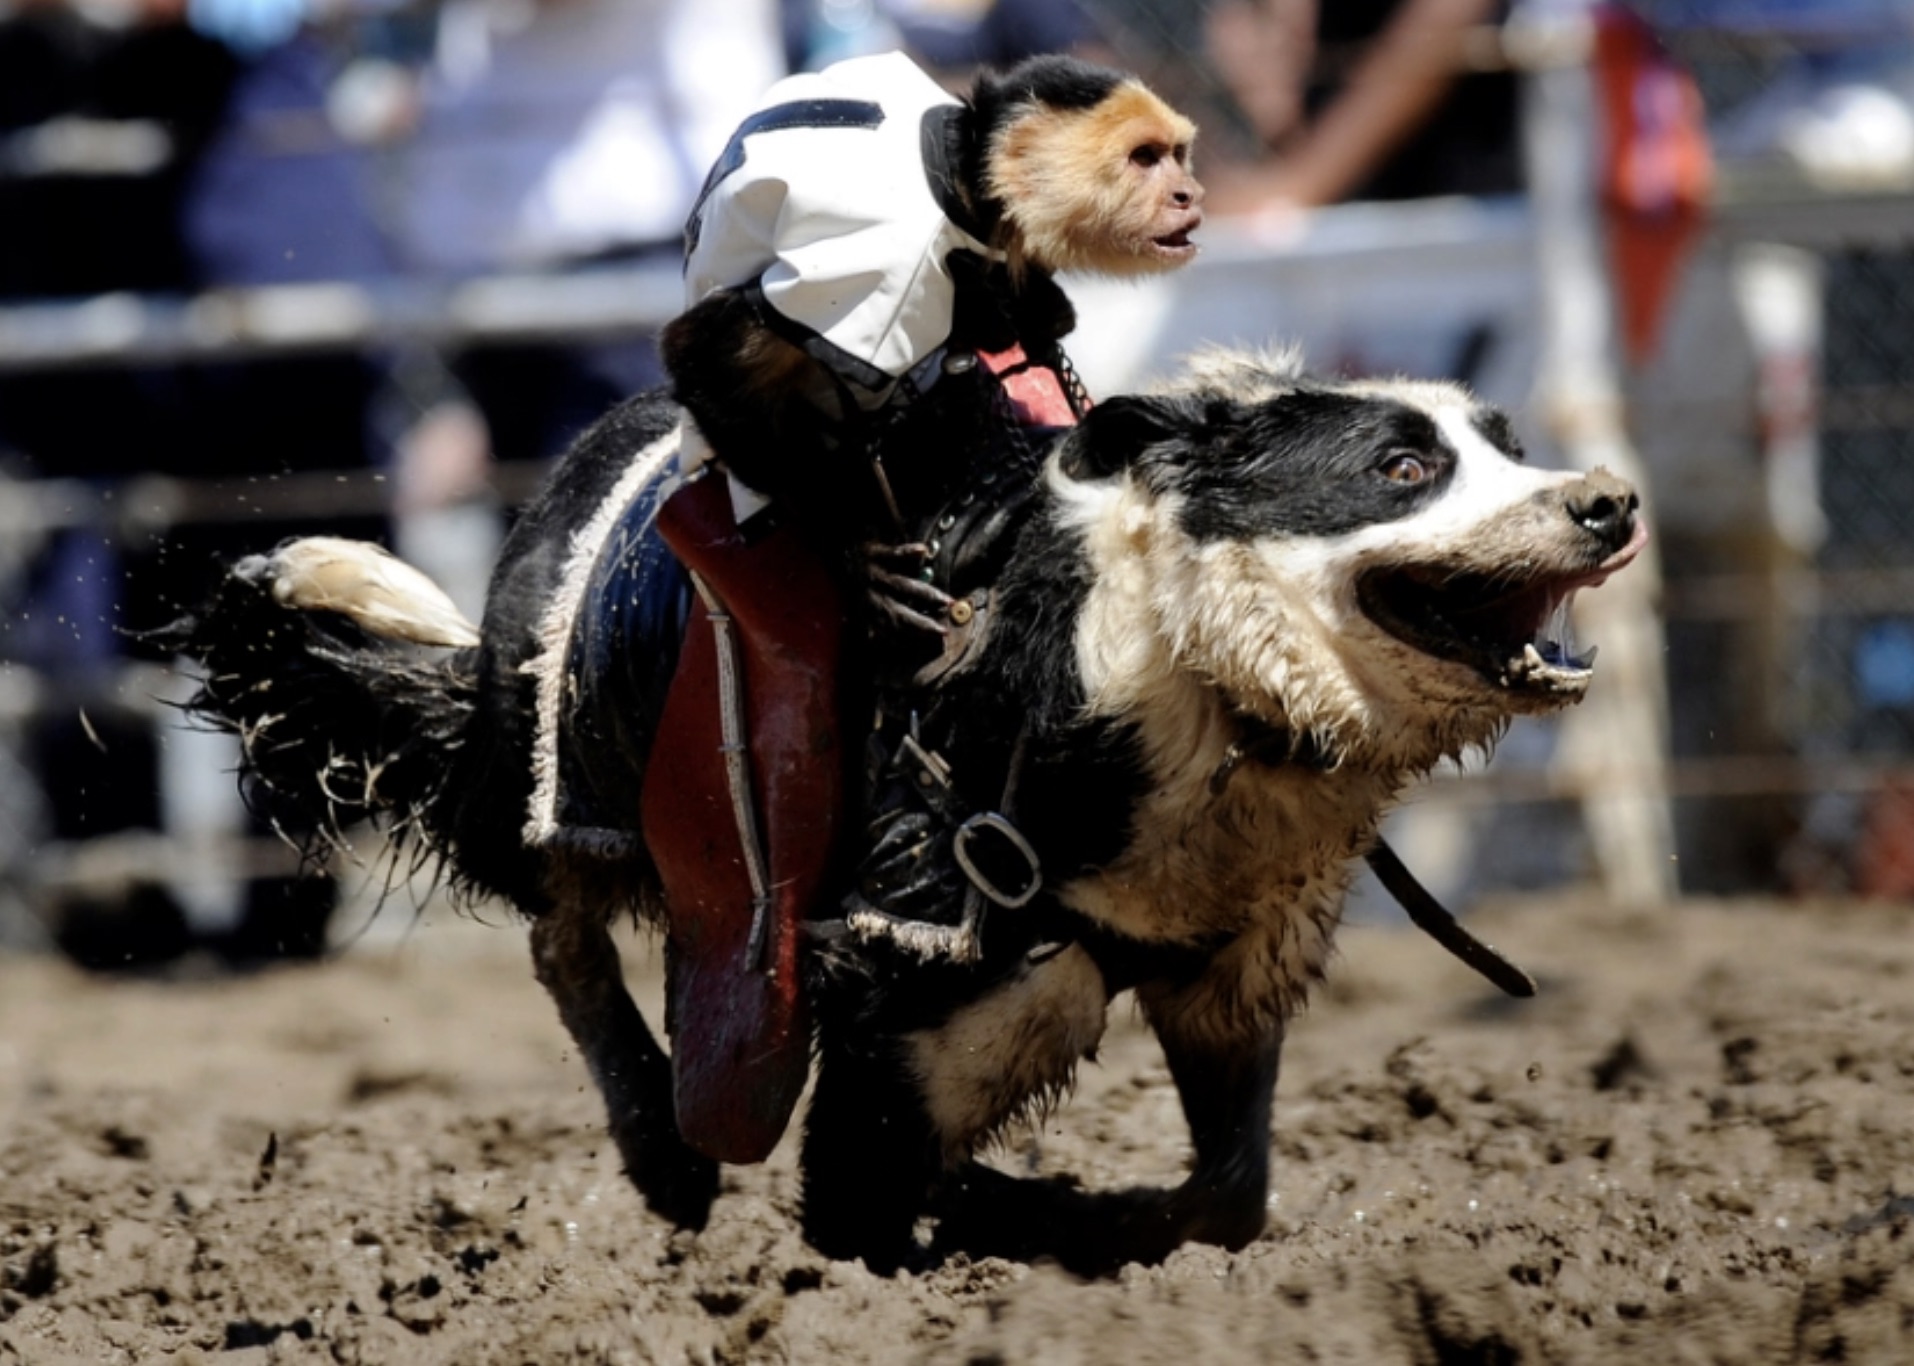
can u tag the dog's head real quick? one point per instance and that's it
(1368, 564)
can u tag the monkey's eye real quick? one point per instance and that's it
(1405, 467)
(1148, 154)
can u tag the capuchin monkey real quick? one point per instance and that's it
(864, 261)
(1070, 167)
(1054, 165)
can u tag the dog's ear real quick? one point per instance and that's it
(1117, 431)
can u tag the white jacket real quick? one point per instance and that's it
(823, 199)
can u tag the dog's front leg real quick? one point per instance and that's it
(1227, 1083)
(577, 963)
(870, 1151)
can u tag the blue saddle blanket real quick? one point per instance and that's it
(611, 643)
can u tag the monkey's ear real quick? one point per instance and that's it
(1116, 433)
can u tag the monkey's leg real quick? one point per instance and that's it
(576, 961)
(870, 1154)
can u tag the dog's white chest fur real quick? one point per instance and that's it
(1263, 864)
(1203, 864)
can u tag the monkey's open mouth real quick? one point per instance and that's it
(1515, 632)
(1177, 246)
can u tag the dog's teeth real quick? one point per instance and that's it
(1587, 661)
(1559, 633)
(1533, 657)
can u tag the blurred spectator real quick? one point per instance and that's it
(361, 140)
(560, 134)
(1305, 103)
(102, 109)
(574, 130)
(552, 134)
(952, 37)
(282, 194)
(1839, 113)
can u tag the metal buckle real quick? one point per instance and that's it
(960, 847)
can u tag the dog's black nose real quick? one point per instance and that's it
(1604, 506)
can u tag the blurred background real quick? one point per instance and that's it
(364, 267)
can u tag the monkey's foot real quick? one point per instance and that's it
(896, 587)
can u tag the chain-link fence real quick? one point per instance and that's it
(1792, 646)
(1775, 425)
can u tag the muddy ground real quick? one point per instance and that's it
(1697, 1145)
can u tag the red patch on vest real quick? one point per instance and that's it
(1035, 391)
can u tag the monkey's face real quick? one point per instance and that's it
(1105, 189)
(1161, 182)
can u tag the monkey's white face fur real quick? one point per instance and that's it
(1102, 191)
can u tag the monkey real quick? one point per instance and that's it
(797, 333)
(1070, 167)
(872, 325)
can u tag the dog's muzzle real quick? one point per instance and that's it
(1512, 623)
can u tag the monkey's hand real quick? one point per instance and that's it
(895, 585)
(911, 872)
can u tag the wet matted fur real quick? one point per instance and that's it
(1242, 616)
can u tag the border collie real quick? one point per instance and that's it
(1241, 615)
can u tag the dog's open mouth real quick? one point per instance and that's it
(1515, 632)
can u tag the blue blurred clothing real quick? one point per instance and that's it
(279, 196)
(1006, 32)
(1853, 19)
(249, 27)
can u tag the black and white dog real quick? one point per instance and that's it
(1240, 617)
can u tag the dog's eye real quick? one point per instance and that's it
(1402, 467)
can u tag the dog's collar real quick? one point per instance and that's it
(1259, 741)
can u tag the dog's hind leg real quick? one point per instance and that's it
(576, 961)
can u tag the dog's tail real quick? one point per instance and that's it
(351, 681)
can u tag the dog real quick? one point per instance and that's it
(1237, 618)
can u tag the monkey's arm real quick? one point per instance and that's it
(993, 315)
(767, 408)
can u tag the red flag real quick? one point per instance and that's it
(1657, 172)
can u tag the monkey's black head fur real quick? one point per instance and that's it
(1056, 81)
(999, 97)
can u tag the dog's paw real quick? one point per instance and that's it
(984, 1213)
(677, 1182)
